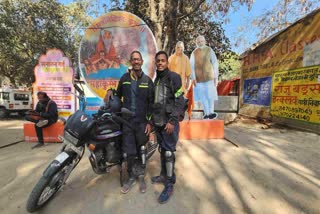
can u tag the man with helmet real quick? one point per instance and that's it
(137, 92)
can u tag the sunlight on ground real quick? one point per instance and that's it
(26, 169)
(94, 181)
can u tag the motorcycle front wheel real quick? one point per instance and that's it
(47, 187)
(40, 194)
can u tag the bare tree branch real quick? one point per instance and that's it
(186, 14)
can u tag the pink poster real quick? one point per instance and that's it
(106, 47)
(54, 75)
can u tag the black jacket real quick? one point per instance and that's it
(48, 110)
(169, 93)
(137, 95)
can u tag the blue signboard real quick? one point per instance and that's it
(257, 91)
(93, 105)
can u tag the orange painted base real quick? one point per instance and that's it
(50, 134)
(201, 129)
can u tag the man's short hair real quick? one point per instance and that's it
(44, 94)
(135, 51)
(161, 52)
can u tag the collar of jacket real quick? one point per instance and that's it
(133, 75)
(45, 102)
(161, 74)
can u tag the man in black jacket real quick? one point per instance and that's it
(45, 114)
(168, 106)
(137, 91)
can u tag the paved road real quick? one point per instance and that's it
(11, 130)
(271, 171)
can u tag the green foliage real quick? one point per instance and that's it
(169, 20)
(202, 24)
(229, 66)
(28, 28)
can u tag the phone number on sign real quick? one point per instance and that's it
(294, 116)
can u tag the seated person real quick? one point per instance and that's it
(45, 114)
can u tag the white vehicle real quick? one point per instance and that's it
(14, 100)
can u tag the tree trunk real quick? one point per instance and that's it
(12, 81)
(164, 17)
(171, 27)
(157, 18)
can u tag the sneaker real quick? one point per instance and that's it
(42, 123)
(213, 116)
(142, 184)
(158, 179)
(128, 185)
(166, 194)
(206, 117)
(37, 145)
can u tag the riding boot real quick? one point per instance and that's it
(169, 183)
(131, 178)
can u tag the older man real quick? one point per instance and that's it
(205, 72)
(179, 63)
(137, 92)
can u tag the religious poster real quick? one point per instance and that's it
(54, 75)
(106, 47)
(257, 91)
(296, 94)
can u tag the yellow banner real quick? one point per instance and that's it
(296, 94)
(296, 47)
(64, 114)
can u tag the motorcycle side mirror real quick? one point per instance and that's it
(127, 112)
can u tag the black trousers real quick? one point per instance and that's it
(167, 142)
(133, 139)
(39, 129)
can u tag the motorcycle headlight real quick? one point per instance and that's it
(70, 138)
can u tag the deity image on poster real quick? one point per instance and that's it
(106, 47)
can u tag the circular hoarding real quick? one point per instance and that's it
(106, 46)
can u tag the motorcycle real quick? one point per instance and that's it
(101, 134)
